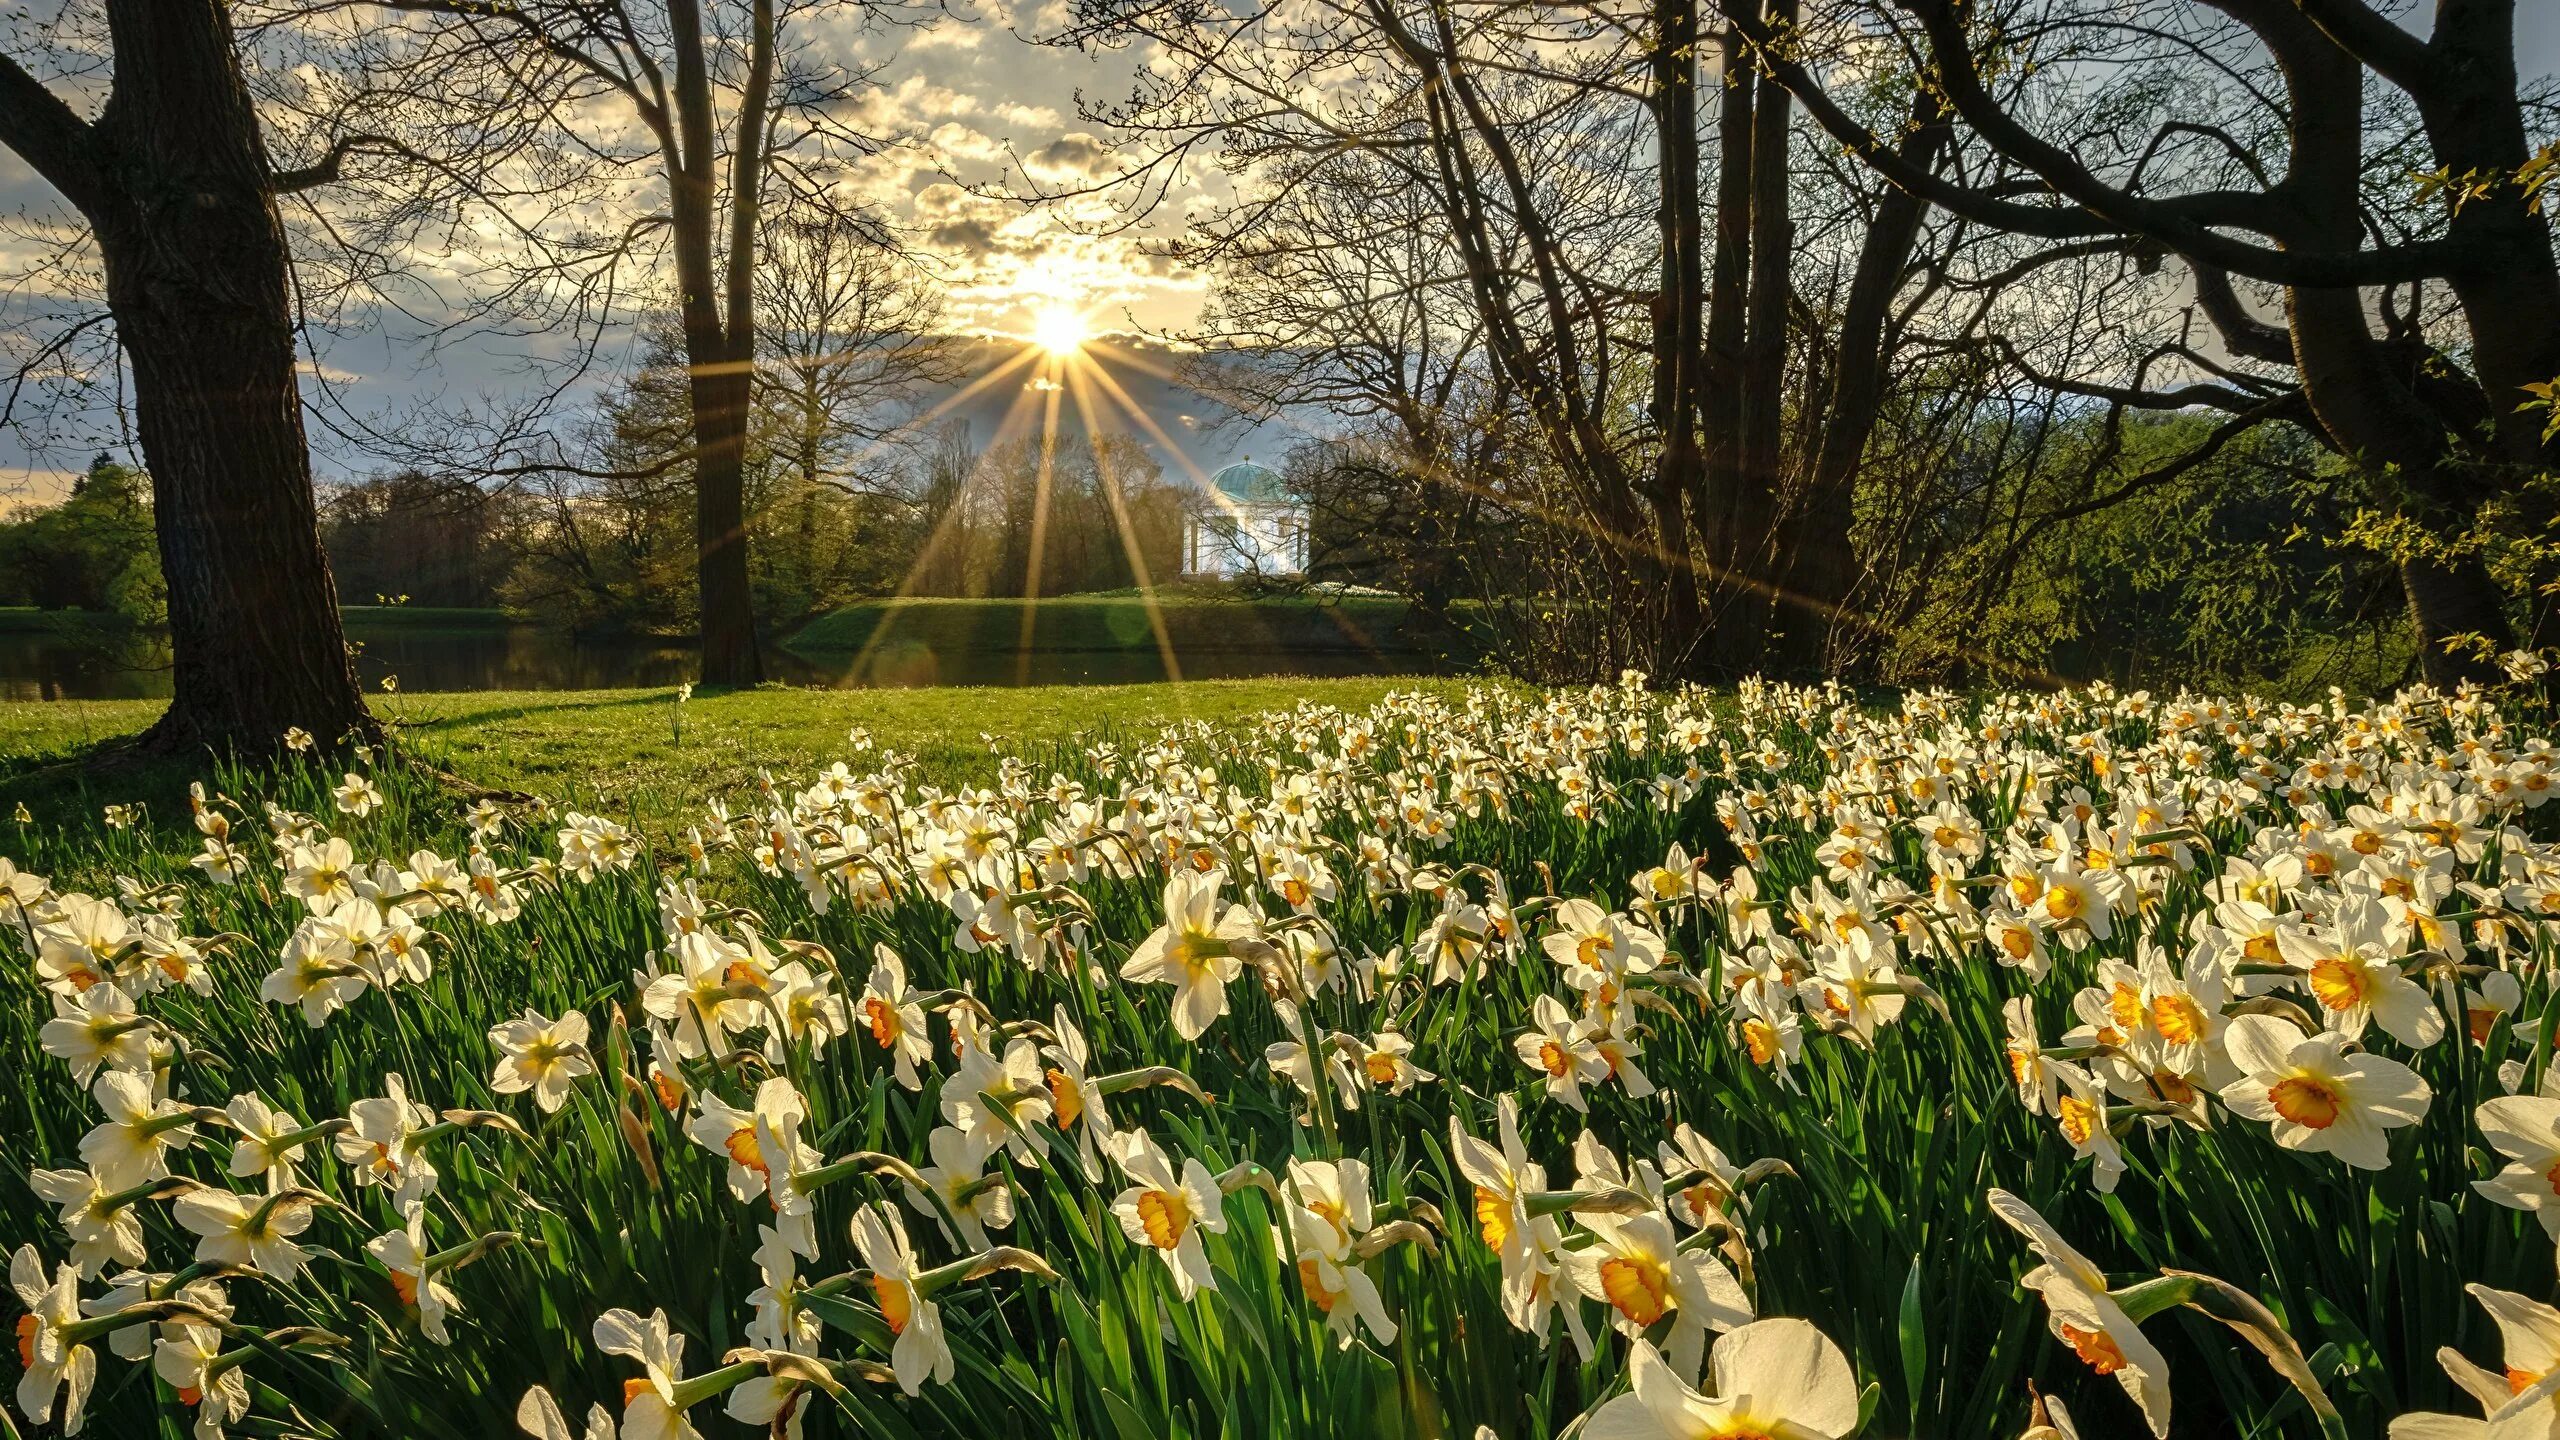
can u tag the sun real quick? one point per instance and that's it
(1059, 330)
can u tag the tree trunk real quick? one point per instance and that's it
(1679, 323)
(1728, 292)
(1767, 616)
(730, 655)
(1815, 558)
(195, 263)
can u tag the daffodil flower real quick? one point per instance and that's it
(2086, 1317)
(1193, 951)
(1168, 1210)
(543, 1056)
(1766, 1379)
(1639, 1271)
(917, 1350)
(2318, 1098)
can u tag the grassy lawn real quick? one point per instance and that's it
(1194, 623)
(618, 748)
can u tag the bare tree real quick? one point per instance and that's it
(171, 174)
(2265, 171)
(684, 117)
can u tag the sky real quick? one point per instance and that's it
(985, 107)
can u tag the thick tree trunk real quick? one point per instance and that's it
(1679, 324)
(730, 655)
(195, 265)
(1816, 560)
(1728, 298)
(2453, 600)
(1767, 617)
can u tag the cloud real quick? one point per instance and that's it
(1074, 156)
(954, 141)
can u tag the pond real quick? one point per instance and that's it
(76, 661)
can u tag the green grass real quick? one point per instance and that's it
(1194, 623)
(621, 746)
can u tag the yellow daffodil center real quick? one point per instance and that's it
(1295, 891)
(27, 1326)
(885, 1025)
(2096, 1348)
(1493, 1218)
(897, 1303)
(2079, 1119)
(1761, 1039)
(744, 1150)
(1166, 1217)
(2063, 902)
(2178, 1018)
(407, 1286)
(2338, 983)
(2019, 941)
(632, 1390)
(1308, 1277)
(2519, 1381)
(2124, 1006)
(2307, 1100)
(1381, 1067)
(1552, 1059)
(1640, 1289)
(1066, 1100)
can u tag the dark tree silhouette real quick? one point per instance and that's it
(173, 180)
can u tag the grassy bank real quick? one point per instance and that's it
(621, 747)
(1192, 624)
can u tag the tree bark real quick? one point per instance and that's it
(1679, 323)
(1728, 296)
(196, 277)
(719, 349)
(1816, 560)
(1766, 617)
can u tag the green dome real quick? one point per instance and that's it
(1249, 483)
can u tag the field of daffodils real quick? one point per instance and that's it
(1614, 1063)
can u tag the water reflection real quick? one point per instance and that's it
(99, 663)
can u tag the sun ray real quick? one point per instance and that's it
(1111, 490)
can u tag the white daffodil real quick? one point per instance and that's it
(1640, 1272)
(1330, 1275)
(917, 1350)
(97, 1029)
(2526, 1130)
(1194, 950)
(2354, 975)
(191, 1359)
(546, 1057)
(1767, 1379)
(970, 1198)
(2319, 1098)
(48, 1361)
(104, 1227)
(1167, 1210)
(649, 1410)
(1557, 1048)
(2085, 1317)
(253, 1231)
(895, 1021)
(381, 1144)
(131, 1144)
(404, 1256)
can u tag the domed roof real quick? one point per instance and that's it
(1250, 484)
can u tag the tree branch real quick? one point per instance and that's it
(56, 143)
